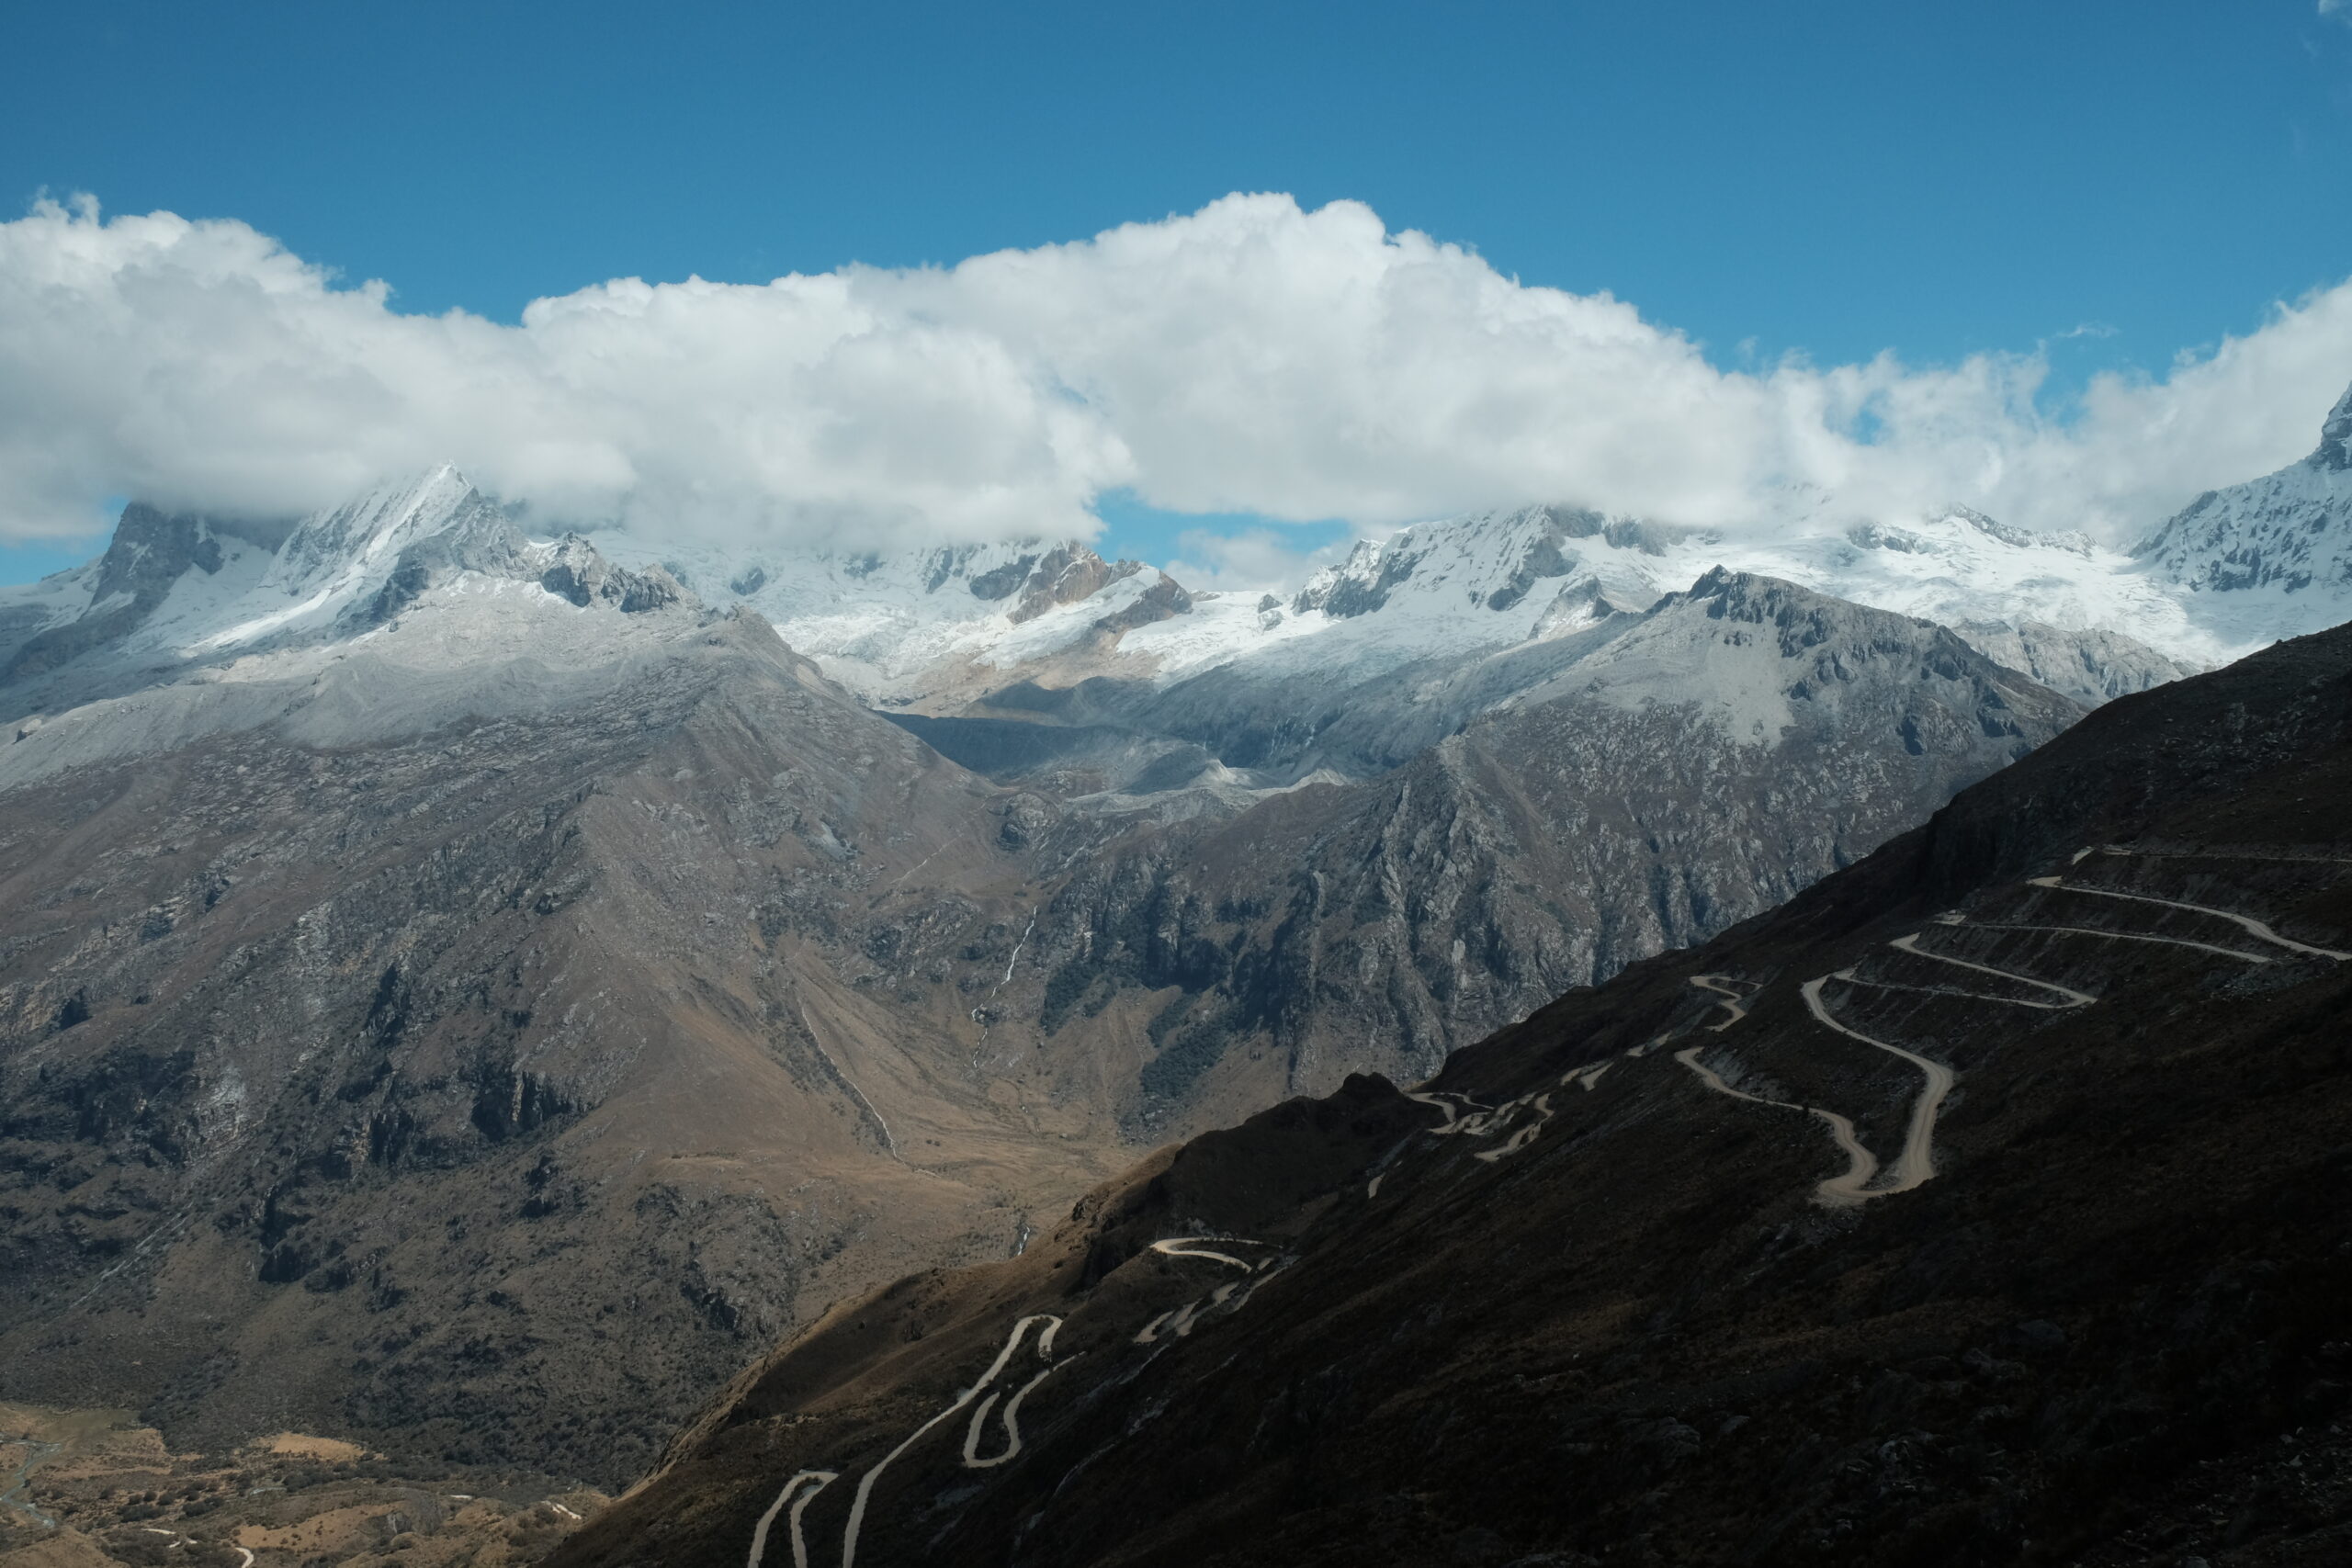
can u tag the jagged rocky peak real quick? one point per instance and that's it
(1836, 638)
(1024, 578)
(1036, 575)
(1165, 598)
(174, 590)
(101, 604)
(1360, 583)
(575, 569)
(1582, 604)
(150, 548)
(372, 557)
(2334, 452)
(153, 546)
(1065, 574)
(1801, 616)
(374, 528)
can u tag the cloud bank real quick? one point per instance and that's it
(1249, 358)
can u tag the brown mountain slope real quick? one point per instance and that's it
(1986, 1205)
(491, 1092)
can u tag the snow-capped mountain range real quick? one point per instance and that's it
(933, 633)
(2238, 569)
(948, 631)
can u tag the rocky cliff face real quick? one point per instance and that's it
(2334, 451)
(1981, 1205)
(2091, 666)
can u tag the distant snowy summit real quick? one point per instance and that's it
(903, 626)
(175, 590)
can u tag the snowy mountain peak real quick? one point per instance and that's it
(111, 598)
(1489, 560)
(2271, 557)
(182, 597)
(363, 536)
(2015, 537)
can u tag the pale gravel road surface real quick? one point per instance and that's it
(2246, 922)
(1916, 1163)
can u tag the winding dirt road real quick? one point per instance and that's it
(1457, 1116)
(1864, 1179)
(1010, 1418)
(1851, 1186)
(1860, 1164)
(2116, 936)
(2245, 922)
(2072, 998)
(1179, 1321)
(1734, 1003)
(2273, 857)
(965, 1397)
(1916, 1163)
(792, 1493)
(1524, 1136)
(1188, 1247)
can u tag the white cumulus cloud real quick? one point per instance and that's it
(1249, 357)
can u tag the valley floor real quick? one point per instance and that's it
(94, 1487)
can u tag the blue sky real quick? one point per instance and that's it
(2113, 183)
